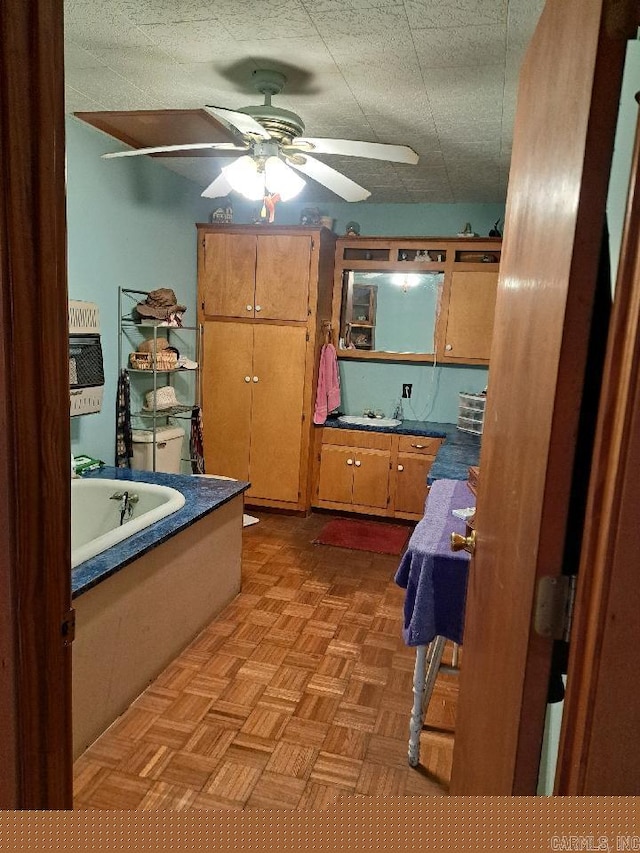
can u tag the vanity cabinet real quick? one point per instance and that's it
(354, 471)
(264, 296)
(373, 473)
(435, 298)
(415, 456)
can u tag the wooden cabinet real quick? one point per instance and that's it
(354, 471)
(259, 368)
(435, 296)
(470, 306)
(373, 472)
(414, 458)
(254, 276)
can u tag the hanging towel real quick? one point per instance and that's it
(328, 393)
(124, 438)
(196, 442)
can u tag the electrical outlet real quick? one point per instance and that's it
(406, 390)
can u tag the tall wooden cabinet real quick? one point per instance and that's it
(264, 295)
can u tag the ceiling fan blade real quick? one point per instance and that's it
(335, 181)
(191, 146)
(240, 121)
(219, 187)
(355, 148)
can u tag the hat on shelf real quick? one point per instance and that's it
(160, 304)
(161, 398)
(153, 346)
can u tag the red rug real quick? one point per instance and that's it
(377, 536)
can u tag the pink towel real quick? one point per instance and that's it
(328, 393)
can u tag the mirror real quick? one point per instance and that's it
(390, 312)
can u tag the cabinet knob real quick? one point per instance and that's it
(349, 461)
(400, 467)
(419, 446)
(358, 463)
(258, 307)
(449, 347)
(249, 307)
(247, 379)
(255, 378)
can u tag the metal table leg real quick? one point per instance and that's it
(428, 660)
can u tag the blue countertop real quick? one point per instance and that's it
(459, 450)
(202, 496)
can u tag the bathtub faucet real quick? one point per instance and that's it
(127, 502)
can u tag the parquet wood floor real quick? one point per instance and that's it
(299, 693)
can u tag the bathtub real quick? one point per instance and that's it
(95, 518)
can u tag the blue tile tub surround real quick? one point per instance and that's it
(459, 451)
(202, 496)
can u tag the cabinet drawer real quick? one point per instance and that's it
(357, 438)
(424, 445)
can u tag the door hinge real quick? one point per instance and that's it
(307, 335)
(68, 627)
(553, 614)
(202, 304)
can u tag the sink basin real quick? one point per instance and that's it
(372, 422)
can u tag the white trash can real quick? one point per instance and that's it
(168, 449)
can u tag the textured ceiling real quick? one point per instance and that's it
(438, 75)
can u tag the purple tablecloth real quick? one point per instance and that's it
(434, 576)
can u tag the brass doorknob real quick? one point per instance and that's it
(463, 543)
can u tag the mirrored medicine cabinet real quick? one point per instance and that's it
(415, 299)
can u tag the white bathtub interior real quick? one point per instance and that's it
(95, 514)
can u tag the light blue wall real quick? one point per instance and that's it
(130, 223)
(393, 220)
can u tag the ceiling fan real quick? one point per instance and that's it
(271, 145)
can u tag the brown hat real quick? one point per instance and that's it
(153, 346)
(159, 304)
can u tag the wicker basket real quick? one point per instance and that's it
(166, 360)
(140, 360)
(144, 360)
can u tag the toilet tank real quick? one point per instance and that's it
(169, 441)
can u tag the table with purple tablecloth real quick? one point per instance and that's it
(435, 578)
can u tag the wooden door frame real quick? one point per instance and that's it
(35, 582)
(606, 599)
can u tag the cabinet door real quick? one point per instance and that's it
(411, 482)
(226, 411)
(371, 478)
(472, 302)
(335, 482)
(276, 416)
(282, 277)
(227, 275)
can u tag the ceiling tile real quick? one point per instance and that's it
(77, 57)
(480, 45)
(254, 20)
(110, 89)
(167, 11)
(192, 41)
(352, 23)
(455, 13)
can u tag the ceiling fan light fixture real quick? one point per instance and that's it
(246, 178)
(281, 179)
